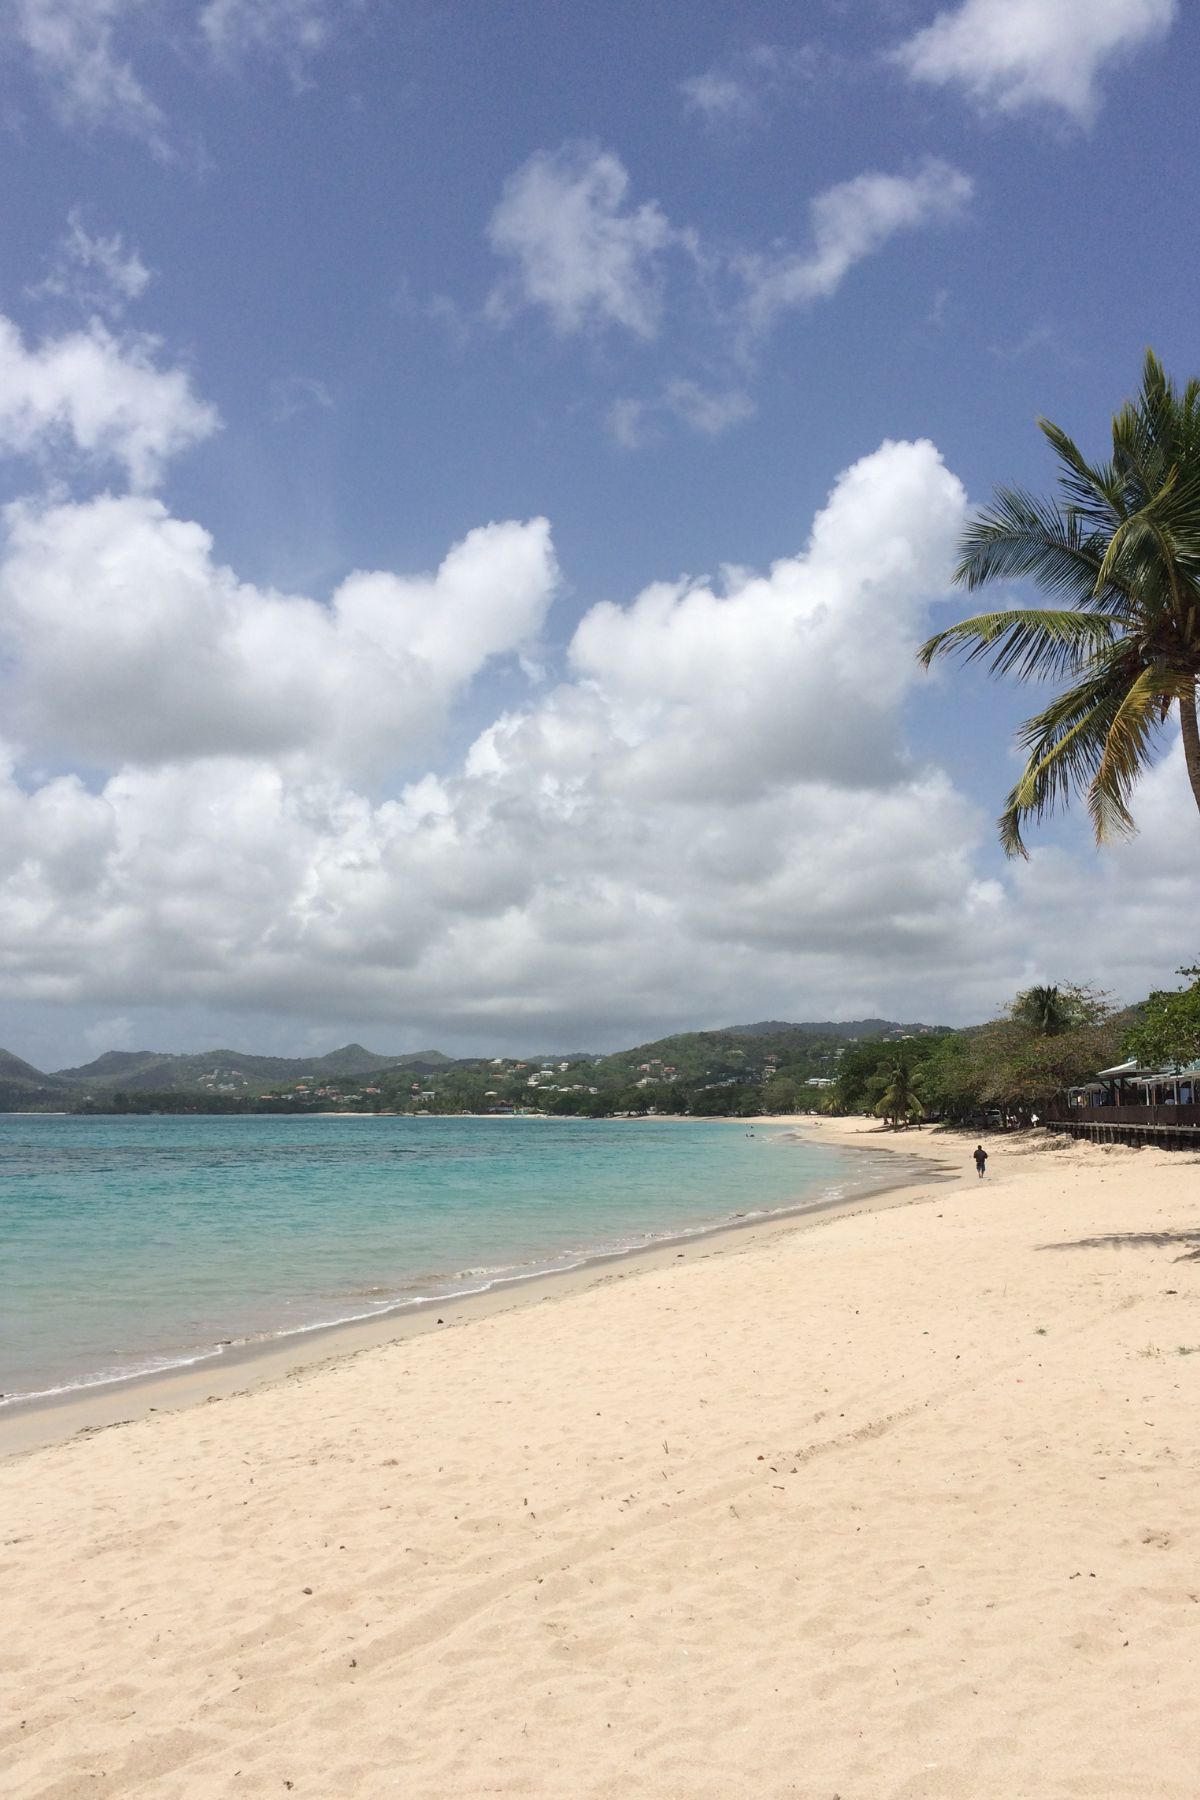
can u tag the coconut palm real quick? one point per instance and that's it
(1045, 1010)
(1120, 545)
(900, 1101)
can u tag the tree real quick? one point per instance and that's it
(1169, 1030)
(1043, 1009)
(780, 1095)
(1120, 544)
(1017, 1066)
(900, 1103)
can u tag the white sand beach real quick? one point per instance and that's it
(902, 1502)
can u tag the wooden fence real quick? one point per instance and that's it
(1174, 1127)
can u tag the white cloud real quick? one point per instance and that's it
(128, 643)
(80, 50)
(287, 31)
(850, 222)
(99, 396)
(295, 394)
(583, 254)
(94, 272)
(580, 251)
(73, 46)
(738, 91)
(795, 674)
(595, 849)
(709, 412)
(1014, 54)
(712, 817)
(716, 95)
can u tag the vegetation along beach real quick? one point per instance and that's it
(599, 857)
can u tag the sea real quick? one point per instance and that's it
(134, 1245)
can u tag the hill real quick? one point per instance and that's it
(232, 1071)
(744, 1053)
(763, 1050)
(22, 1086)
(16, 1073)
(838, 1029)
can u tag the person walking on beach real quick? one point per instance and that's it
(980, 1160)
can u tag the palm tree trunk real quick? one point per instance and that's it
(1191, 740)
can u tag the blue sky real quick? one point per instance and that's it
(299, 296)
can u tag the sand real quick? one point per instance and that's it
(901, 1503)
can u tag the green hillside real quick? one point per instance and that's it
(745, 1052)
(670, 1072)
(22, 1086)
(236, 1071)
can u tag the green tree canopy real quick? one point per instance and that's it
(780, 1095)
(1169, 1029)
(1018, 1066)
(1119, 544)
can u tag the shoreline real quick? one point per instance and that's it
(39, 1421)
(895, 1501)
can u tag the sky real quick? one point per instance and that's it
(476, 477)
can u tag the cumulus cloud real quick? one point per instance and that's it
(73, 45)
(849, 222)
(94, 272)
(1011, 55)
(712, 815)
(719, 770)
(579, 250)
(793, 674)
(128, 643)
(102, 397)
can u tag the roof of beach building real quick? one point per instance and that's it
(1132, 1071)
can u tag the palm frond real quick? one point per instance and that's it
(1094, 491)
(1116, 550)
(1065, 745)
(1156, 550)
(1126, 755)
(1026, 641)
(1024, 538)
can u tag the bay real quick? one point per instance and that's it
(130, 1245)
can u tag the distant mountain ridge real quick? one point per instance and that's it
(831, 1028)
(142, 1070)
(225, 1071)
(16, 1073)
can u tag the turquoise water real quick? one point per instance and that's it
(129, 1245)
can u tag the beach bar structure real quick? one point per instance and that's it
(1130, 1105)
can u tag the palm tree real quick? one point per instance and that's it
(1120, 545)
(900, 1101)
(1044, 1010)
